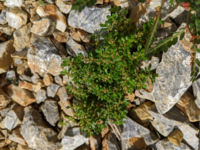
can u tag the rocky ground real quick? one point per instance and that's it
(33, 99)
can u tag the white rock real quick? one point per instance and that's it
(13, 3)
(64, 7)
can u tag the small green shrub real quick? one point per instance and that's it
(102, 78)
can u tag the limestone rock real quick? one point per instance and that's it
(196, 92)
(125, 4)
(135, 143)
(13, 118)
(151, 138)
(74, 48)
(176, 137)
(5, 111)
(43, 58)
(52, 90)
(13, 3)
(6, 49)
(4, 99)
(16, 17)
(110, 142)
(20, 55)
(63, 6)
(37, 134)
(140, 114)
(6, 29)
(187, 105)
(21, 96)
(165, 144)
(10, 75)
(61, 37)
(41, 96)
(22, 147)
(48, 79)
(30, 86)
(43, 27)
(17, 137)
(50, 111)
(95, 142)
(89, 19)
(132, 129)
(64, 104)
(52, 10)
(58, 80)
(25, 78)
(62, 93)
(85, 37)
(3, 17)
(21, 68)
(73, 138)
(22, 37)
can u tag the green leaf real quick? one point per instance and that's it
(197, 62)
(197, 50)
(41, 2)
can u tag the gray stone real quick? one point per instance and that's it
(74, 48)
(64, 104)
(6, 29)
(95, 142)
(132, 129)
(25, 78)
(4, 112)
(41, 96)
(165, 144)
(3, 17)
(52, 90)
(43, 58)
(20, 55)
(175, 119)
(20, 17)
(168, 31)
(22, 37)
(196, 91)
(35, 78)
(151, 138)
(73, 138)
(4, 99)
(63, 6)
(10, 75)
(153, 62)
(17, 137)
(89, 19)
(13, 3)
(6, 48)
(110, 142)
(36, 132)
(50, 111)
(58, 80)
(13, 118)
(62, 93)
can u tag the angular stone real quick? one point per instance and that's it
(50, 111)
(63, 6)
(196, 91)
(5, 111)
(41, 96)
(151, 138)
(125, 4)
(20, 55)
(176, 137)
(17, 62)
(110, 142)
(140, 114)
(135, 143)
(132, 129)
(36, 132)
(2, 6)
(165, 144)
(52, 10)
(17, 137)
(25, 78)
(21, 68)
(174, 118)
(74, 48)
(64, 105)
(6, 49)
(62, 93)
(61, 37)
(4, 99)
(95, 142)
(187, 105)
(85, 37)
(52, 90)
(20, 17)
(73, 138)
(89, 19)
(22, 37)
(13, 3)
(3, 17)
(13, 118)
(43, 27)
(48, 79)
(6, 29)
(22, 147)
(43, 58)
(58, 80)
(74, 35)
(21, 96)
(10, 75)
(30, 86)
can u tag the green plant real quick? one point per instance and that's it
(80, 4)
(41, 2)
(193, 27)
(103, 76)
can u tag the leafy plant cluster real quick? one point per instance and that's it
(192, 26)
(103, 76)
